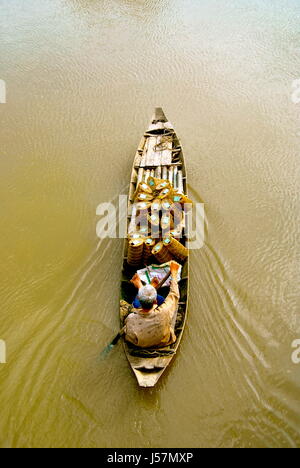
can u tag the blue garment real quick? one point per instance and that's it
(137, 305)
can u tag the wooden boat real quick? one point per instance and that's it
(159, 154)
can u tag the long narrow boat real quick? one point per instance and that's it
(160, 155)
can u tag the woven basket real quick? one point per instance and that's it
(154, 219)
(176, 248)
(181, 198)
(135, 235)
(165, 193)
(142, 187)
(148, 247)
(176, 233)
(167, 222)
(167, 204)
(135, 252)
(178, 215)
(162, 253)
(164, 184)
(144, 197)
(156, 205)
(143, 206)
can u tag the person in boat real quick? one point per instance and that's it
(136, 280)
(152, 324)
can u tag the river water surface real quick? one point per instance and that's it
(82, 78)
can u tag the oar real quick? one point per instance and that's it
(113, 343)
(163, 280)
(117, 338)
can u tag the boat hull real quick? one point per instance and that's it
(157, 160)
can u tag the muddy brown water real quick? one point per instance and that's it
(82, 78)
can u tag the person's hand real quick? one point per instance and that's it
(174, 267)
(136, 280)
(155, 282)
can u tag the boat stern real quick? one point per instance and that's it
(147, 377)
